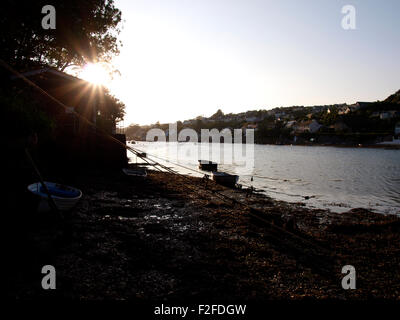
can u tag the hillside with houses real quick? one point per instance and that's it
(348, 124)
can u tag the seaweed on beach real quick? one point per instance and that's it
(171, 240)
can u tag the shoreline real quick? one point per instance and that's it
(167, 240)
(370, 146)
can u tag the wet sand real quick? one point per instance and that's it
(165, 239)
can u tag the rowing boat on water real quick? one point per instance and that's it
(225, 179)
(207, 165)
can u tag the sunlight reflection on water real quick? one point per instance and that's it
(333, 178)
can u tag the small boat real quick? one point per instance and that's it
(65, 197)
(135, 174)
(225, 179)
(208, 165)
(142, 154)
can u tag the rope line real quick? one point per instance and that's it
(190, 169)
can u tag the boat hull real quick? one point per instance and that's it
(65, 199)
(208, 165)
(135, 174)
(225, 179)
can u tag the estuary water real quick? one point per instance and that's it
(321, 177)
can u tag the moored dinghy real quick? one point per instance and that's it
(65, 197)
(135, 174)
(207, 165)
(225, 179)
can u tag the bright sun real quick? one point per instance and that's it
(96, 74)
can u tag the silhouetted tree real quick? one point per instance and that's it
(86, 31)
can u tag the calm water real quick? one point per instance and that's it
(333, 178)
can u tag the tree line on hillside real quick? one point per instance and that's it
(360, 125)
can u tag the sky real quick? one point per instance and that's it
(185, 58)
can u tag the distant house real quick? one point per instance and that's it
(386, 115)
(279, 115)
(397, 129)
(362, 105)
(290, 124)
(253, 119)
(354, 107)
(317, 109)
(311, 126)
(314, 126)
(344, 110)
(359, 105)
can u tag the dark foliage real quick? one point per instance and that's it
(85, 31)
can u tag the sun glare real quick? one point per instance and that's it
(96, 74)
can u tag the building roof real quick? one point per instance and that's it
(48, 70)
